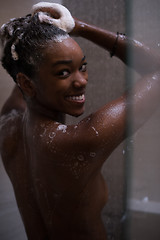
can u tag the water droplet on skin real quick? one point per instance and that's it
(88, 119)
(95, 131)
(52, 135)
(139, 96)
(80, 158)
(92, 154)
(124, 152)
(44, 132)
(137, 43)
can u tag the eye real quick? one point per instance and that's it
(63, 73)
(83, 68)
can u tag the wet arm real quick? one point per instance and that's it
(144, 60)
(110, 121)
(15, 101)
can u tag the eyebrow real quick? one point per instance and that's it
(66, 61)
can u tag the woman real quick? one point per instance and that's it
(55, 168)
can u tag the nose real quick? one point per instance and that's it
(80, 80)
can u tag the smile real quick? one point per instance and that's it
(79, 98)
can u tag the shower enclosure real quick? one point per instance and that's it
(132, 171)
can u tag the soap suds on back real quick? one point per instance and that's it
(8, 117)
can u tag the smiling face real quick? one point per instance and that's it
(62, 78)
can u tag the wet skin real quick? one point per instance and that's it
(55, 174)
(56, 169)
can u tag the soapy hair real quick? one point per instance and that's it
(23, 41)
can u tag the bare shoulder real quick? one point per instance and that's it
(89, 143)
(78, 145)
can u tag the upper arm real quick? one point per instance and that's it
(105, 129)
(96, 136)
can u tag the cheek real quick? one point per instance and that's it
(50, 89)
(43, 93)
(50, 94)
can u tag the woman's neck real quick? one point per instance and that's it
(38, 112)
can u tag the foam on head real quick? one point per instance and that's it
(47, 12)
(61, 38)
(23, 39)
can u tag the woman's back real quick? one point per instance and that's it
(17, 167)
(54, 192)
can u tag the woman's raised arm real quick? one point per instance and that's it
(110, 121)
(144, 60)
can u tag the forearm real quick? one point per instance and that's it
(133, 53)
(101, 37)
(143, 100)
(15, 101)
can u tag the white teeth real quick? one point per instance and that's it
(78, 98)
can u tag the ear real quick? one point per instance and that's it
(26, 85)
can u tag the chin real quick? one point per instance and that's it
(76, 114)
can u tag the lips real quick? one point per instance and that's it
(76, 98)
